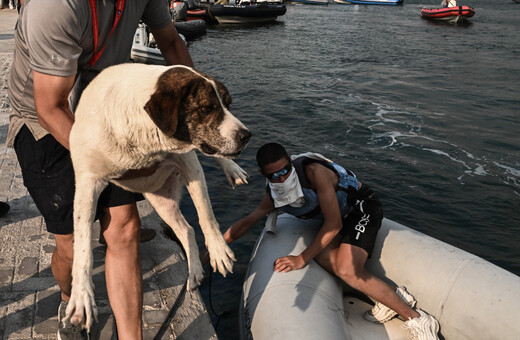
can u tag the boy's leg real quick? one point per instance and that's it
(351, 269)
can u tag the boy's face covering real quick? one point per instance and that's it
(288, 192)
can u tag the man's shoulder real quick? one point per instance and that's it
(56, 13)
(58, 7)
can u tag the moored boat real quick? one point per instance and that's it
(191, 29)
(246, 13)
(451, 14)
(144, 49)
(310, 2)
(376, 2)
(470, 297)
(201, 14)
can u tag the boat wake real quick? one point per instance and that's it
(397, 129)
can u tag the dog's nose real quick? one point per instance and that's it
(243, 136)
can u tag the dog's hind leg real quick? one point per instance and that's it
(82, 306)
(166, 203)
(221, 256)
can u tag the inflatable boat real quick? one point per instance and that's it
(452, 14)
(470, 297)
(200, 14)
(376, 2)
(191, 29)
(240, 14)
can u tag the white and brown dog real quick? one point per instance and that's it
(133, 116)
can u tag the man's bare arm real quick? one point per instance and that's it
(51, 95)
(172, 46)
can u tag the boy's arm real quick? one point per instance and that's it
(241, 226)
(332, 217)
(322, 183)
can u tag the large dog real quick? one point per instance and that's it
(135, 116)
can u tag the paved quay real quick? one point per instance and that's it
(29, 295)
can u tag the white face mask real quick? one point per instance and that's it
(288, 192)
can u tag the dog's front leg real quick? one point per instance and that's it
(221, 256)
(82, 306)
(166, 202)
(234, 173)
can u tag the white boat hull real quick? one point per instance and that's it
(471, 298)
(147, 55)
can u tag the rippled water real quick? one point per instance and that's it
(427, 114)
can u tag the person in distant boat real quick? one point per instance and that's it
(311, 186)
(449, 3)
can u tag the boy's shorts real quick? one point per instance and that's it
(48, 175)
(361, 225)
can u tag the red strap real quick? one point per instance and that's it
(95, 28)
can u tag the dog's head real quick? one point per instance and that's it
(194, 108)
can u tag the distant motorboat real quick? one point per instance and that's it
(310, 2)
(144, 49)
(375, 2)
(200, 14)
(246, 12)
(449, 14)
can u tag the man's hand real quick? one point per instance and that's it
(288, 263)
(136, 173)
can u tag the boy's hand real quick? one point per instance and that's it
(288, 263)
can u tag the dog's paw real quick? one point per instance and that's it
(195, 277)
(81, 308)
(234, 173)
(221, 258)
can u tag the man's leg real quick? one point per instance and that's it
(121, 226)
(61, 263)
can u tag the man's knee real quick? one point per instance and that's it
(64, 251)
(121, 225)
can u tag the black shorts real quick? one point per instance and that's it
(48, 175)
(361, 225)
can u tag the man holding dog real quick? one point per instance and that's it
(311, 186)
(60, 46)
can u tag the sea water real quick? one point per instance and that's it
(426, 114)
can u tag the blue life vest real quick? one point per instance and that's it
(311, 207)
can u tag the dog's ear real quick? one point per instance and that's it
(222, 91)
(163, 107)
(165, 104)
